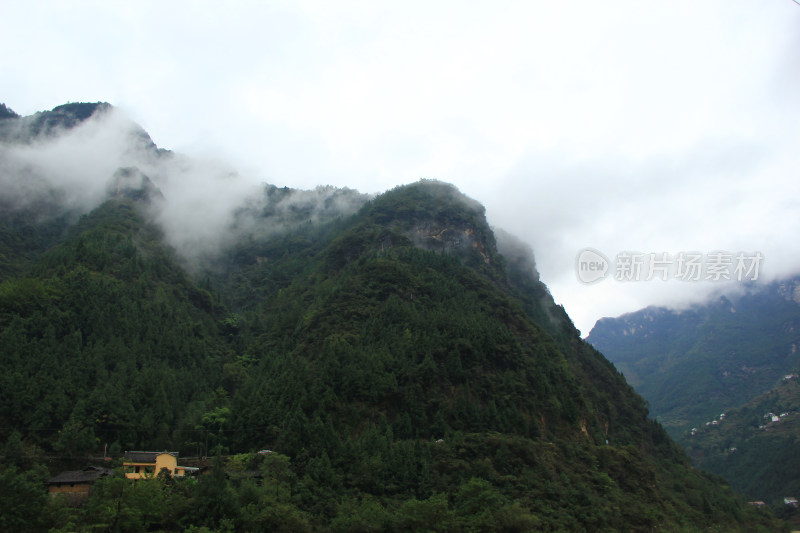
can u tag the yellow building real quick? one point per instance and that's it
(138, 465)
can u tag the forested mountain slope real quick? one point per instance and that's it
(755, 445)
(694, 364)
(406, 373)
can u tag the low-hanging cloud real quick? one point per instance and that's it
(727, 194)
(202, 204)
(74, 163)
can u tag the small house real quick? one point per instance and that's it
(138, 465)
(76, 485)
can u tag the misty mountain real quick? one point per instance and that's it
(401, 360)
(46, 125)
(694, 364)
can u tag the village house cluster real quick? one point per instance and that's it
(714, 422)
(772, 418)
(76, 485)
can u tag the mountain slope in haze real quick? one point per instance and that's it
(47, 125)
(408, 375)
(755, 445)
(694, 364)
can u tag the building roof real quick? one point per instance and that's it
(145, 457)
(87, 475)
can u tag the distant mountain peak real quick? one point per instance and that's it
(81, 110)
(7, 112)
(436, 216)
(66, 116)
(47, 123)
(50, 124)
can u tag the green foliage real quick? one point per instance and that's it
(108, 343)
(22, 498)
(215, 500)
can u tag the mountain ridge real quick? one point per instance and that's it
(409, 375)
(718, 351)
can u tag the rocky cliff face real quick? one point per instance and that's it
(438, 237)
(436, 216)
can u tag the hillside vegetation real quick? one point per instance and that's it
(695, 364)
(755, 446)
(404, 374)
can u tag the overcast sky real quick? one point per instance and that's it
(621, 126)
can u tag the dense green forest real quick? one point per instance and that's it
(408, 375)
